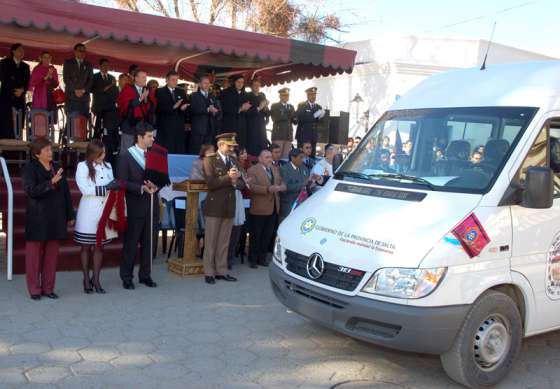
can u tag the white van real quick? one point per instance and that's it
(427, 246)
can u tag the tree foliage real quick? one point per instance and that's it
(283, 18)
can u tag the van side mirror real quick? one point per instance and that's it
(539, 188)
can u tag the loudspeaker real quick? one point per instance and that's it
(339, 126)
(323, 128)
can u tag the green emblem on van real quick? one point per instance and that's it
(308, 225)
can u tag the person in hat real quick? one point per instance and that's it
(308, 115)
(139, 191)
(283, 117)
(223, 177)
(235, 105)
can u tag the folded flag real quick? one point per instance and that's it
(471, 235)
(157, 169)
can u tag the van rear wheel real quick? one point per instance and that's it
(487, 343)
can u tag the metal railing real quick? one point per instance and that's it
(10, 229)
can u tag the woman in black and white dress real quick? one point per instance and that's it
(92, 176)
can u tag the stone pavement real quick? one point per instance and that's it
(185, 334)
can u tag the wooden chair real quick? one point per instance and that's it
(17, 149)
(78, 129)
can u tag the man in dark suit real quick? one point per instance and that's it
(295, 176)
(139, 193)
(170, 113)
(223, 177)
(257, 118)
(78, 80)
(204, 115)
(235, 104)
(14, 80)
(308, 115)
(105, 92)
(283, 117)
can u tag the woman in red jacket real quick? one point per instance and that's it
(44, 80)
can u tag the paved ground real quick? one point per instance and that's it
(186, 334)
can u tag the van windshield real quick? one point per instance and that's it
(447, 149)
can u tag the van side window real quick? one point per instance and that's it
(537, 154)
(545, 152)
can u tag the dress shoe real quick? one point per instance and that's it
(35, 297)
(128, 285)
(51, 295)
(253, 266)
(149, 283)
(227, 277)
(209, 280)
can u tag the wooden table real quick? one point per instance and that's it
(189, 265)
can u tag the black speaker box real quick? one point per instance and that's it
(323, 128)
(339, 126)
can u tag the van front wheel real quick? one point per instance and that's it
(487, 343)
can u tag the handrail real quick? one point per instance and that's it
(10, 233)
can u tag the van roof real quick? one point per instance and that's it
(527, 84)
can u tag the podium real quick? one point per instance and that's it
(189, 265)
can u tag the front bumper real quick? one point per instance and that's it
(429, 330)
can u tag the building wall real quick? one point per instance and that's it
(388, 67)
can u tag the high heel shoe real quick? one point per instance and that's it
(87, 290)
(98, 288)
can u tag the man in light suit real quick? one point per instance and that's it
(78, 80)
(265, 185)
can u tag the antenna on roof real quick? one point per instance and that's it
(483, 67)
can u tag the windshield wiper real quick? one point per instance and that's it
(353, 174)
(399, 176)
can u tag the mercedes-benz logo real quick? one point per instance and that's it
(315, 266)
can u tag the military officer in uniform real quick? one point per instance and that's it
(308, 115)
(283, 117)
(223, 177)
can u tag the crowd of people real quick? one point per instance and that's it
(225, 125)
(183, 121)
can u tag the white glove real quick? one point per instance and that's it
(319, 114)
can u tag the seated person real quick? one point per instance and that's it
(476, 157)
(384, 161)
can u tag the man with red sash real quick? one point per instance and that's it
(136, 105)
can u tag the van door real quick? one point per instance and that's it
(536, 233)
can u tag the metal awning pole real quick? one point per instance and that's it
(10, 233)
(181, 60)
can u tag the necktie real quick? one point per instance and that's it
(269, 174)
(173, 94)
(228, 163)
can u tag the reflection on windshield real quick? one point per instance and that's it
(454, 149)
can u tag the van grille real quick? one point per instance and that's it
(336, 276)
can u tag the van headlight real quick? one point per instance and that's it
(404, 283)
(278, 251)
